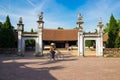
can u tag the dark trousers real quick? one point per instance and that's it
(53, 54)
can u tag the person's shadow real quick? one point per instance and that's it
(18, 71)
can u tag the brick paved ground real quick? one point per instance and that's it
(71, 68)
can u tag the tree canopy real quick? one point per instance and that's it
(106, 28)
(60, 28)
(112, 32)
(7, 37)
(89, 43)
(32, 30)
(118, 22)
(0, 25)
(31, 42)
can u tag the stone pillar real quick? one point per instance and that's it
(80, 36)
(23, 47)
(100, 34)
(98, 46)
(40, 34)
(20, 26)
(36, 46)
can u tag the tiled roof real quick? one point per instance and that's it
(60, 35)
(105, 37)
(119, 33)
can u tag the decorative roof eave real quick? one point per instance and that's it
(91, 34)
(29, 34)
(59, 40)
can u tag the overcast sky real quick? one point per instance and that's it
(59, 13)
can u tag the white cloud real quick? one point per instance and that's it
(92, 11)
(31, 3)
(56, 15)
(29, 15)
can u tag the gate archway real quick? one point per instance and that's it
(82, 36)
(38, 37)
(29, 38)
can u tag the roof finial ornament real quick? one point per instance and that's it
(100, 20)
(79, 16)
(100, 25)
(40, 16)
(20, 20)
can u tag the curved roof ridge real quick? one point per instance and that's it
(57, 29)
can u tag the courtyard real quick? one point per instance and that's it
(69, 68)
(89, 43)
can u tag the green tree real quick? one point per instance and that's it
(96, 31)
(118, 22)
(30, 43)
(117, 42)
(7, 23)
(7, 38)
(32, 30)
(60, 28)
(112, 32)
(89, 43)
(0, 25)
(75, 28)
(106, 29)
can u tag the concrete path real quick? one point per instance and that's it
(71, 68)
